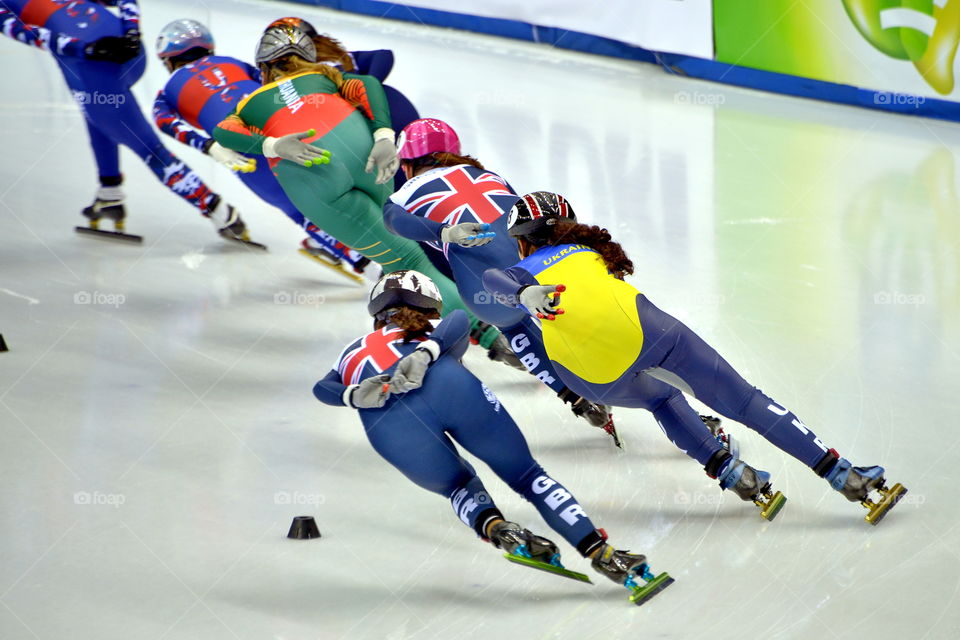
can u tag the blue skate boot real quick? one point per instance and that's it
(752, 485)
(856, 483)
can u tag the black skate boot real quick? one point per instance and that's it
(751, 485)
(597, 415)
(230, 225)
(624, 568)
(530, 550)
(518, 541)
(108, 205)
(498, 349)
(856, 483)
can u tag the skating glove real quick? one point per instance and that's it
(290, 148)
(383, 156)
(229, 158)
(542, 300)
(412, 368)
(467, 234)
(371, 393)
(114, 49)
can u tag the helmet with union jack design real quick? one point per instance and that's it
(425, 136)
(404, 288)
(533, 214)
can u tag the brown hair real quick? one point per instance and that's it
(414, 322)
(442, 159)
(598, 239)
(293, 64)
(329, 49)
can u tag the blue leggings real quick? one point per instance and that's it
(415, 432)
(670, 347)
(113, 118)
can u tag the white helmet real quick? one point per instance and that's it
(405, 288)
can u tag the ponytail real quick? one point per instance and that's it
(414, 322)
(597, 238)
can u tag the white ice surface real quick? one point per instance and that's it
(815, 246)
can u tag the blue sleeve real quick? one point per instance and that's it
(56, 43)
(330, 389)
(168, 120)
(452, 333)
(129, 15)
(506, 284)
(253, 72)
(399, 221)
(377, 63)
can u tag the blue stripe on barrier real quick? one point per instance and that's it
(808, 88)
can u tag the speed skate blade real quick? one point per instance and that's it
(642, 594)
(355, 277)
(248, 243)
(889, 500)
(549, 568)
(773, 506)
(108, 235)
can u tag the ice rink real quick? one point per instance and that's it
(159, 431)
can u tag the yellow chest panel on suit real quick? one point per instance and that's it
(599, 335)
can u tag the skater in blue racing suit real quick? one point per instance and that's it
(100, 56)
(416, 399)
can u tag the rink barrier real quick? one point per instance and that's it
(552, 36)
(890, 101)
(689, 66)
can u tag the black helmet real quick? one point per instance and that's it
(283, 40)
(405, 288)
(533, 214)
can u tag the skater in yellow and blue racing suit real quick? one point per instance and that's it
(607, 341)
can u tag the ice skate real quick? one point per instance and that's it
(752, 485)
(497, 346)
(597, 415)
(725, 439)
(318, 253)
(856, 483)
(624, 568)
(530, 550)
(230, 226)
(108, 205)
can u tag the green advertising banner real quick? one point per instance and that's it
(904, 47)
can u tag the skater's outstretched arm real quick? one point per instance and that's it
(506, 284)
(407, 225)
(40, 37)
(233, 133)
(168, 120)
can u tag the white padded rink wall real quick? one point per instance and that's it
(159, 432)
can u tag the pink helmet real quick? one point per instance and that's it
(425, 136)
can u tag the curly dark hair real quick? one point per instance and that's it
(442, 159)
(597, 238)
(414, 322)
